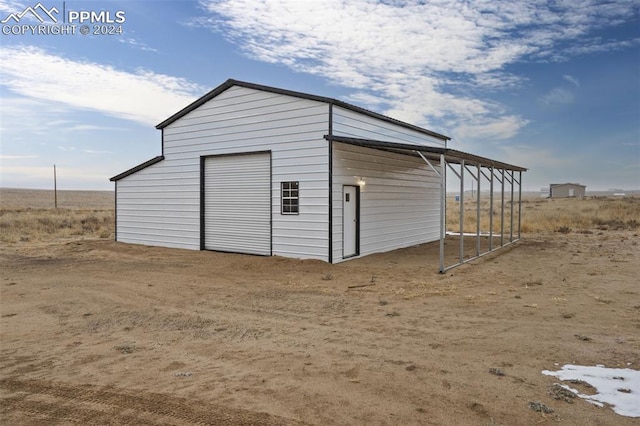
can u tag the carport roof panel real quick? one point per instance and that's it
(451, 155)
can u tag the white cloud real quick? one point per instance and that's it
(10, 6)
(571, 79)
(408, 55)
(557, 96)
(137, 44)
(89, 128)
(504, 127)
(16, 111)
(43, 117)
(496, 80)
(594, 45)
(17, 157)
(94, 151)
(27, 109)
(535, 157)
(141, 96)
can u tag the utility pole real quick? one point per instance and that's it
(55, 188)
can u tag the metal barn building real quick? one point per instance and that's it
(567, 190)
(260, 170)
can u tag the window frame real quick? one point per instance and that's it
(290, 198)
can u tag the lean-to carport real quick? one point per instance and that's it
(462, 164)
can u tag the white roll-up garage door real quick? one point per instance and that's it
(237, 203)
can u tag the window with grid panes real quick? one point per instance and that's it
(290, 198)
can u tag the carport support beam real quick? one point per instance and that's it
(426, 160)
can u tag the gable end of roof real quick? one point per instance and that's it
(231, 82)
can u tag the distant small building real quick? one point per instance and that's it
(567, 190)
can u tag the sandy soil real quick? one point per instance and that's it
(98, 332)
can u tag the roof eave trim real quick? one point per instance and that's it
(137, 168)
(568, 183)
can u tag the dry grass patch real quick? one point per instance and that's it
(17, 198)
(23, 225)
(29, 215)
(549, 215)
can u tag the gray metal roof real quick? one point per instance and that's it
(433, 153)
(553, 185)
(230, 83)
(451, 155)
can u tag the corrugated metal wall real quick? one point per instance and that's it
(352, 124)
(399, 200)
(567, 190)
(160, 205)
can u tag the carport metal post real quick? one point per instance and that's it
(443, 203)
(511, 227)
(509, 178)
(502, 210)
(491, 211)
(478, 215)
(519, 205)
(461, 211)
(477, 178)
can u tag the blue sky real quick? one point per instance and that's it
(549, 85)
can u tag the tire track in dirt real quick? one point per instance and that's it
(88, 404)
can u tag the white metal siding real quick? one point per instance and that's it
(399, 202)
(237, 203)
(352, 124)
(160, 206)
(238, 120)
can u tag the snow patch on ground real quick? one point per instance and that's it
(618, 387)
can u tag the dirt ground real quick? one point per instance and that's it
(99, 332)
